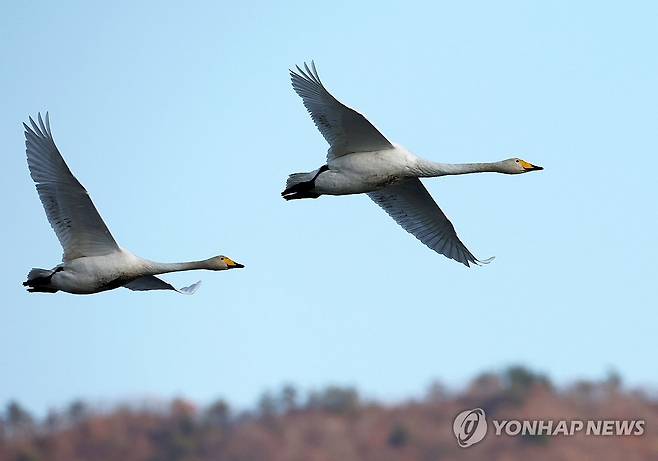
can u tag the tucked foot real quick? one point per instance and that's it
(299, 191)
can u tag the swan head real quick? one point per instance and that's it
(517, 166)
(222, 263)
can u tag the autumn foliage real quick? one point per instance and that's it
(336, 424)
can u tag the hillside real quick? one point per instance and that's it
(337, 424)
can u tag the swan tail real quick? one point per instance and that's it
(39, 280)
(298, 178)
(300, 185)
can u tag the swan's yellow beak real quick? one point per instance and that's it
(529, 166)
(232, 264)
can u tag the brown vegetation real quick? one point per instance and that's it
(335, 424)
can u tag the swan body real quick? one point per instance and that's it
(367, 172)
(361, 160)
(92, 260)
(93, 274)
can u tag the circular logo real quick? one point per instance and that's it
(470, 427)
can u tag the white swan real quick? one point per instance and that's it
(92, 260)
(362, 160)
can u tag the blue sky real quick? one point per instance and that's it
(181, 122)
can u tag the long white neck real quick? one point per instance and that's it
(429, 169)
(155, 268)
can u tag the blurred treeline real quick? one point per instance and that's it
(337, 424)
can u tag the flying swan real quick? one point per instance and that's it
(92, 261)
(361, 160)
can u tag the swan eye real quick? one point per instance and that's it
(517, 160)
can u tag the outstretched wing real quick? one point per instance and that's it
(151, 282)
(412, 207)
(70, 211)
(345, 129)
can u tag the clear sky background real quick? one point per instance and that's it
(181, 122)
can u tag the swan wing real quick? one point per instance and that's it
(151, 282)
(412, 207)
(70, 211)
(345, 129)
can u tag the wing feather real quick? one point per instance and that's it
(412, 207)
(70, 211)
(151, 282)
(346, 130)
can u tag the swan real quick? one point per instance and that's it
(92, 260)
(361, 160)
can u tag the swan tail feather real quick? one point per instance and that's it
(300, 185)
(297, 178)
(39, 280)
